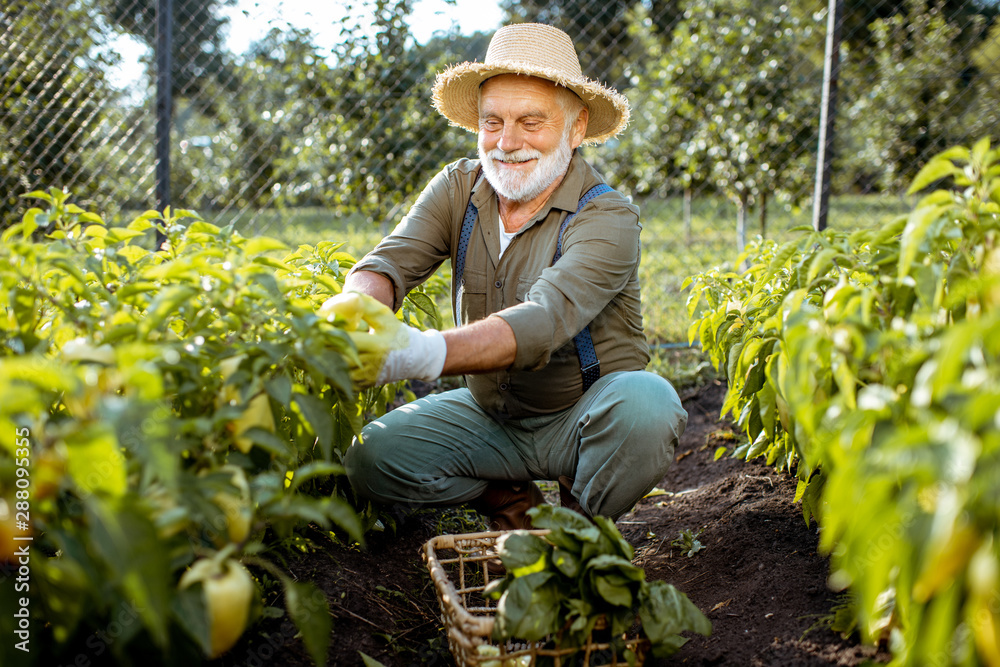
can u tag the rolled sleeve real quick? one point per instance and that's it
(422, 240)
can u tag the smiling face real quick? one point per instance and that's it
(525, 141)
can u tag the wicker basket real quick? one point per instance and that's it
(458, 567)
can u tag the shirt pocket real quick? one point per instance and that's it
(524, 286)
(471, 298)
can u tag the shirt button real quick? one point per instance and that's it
(504, 386)
(498, 284)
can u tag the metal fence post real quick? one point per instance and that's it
(828, 113)
(164, 105)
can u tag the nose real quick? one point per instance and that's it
(510, 138)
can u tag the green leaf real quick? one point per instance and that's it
(522, 551)
(529, 608)
(127, 541)
(188, 610)
(750, 366)
(95, 461)
(914, 235)
(200, 227)
(811, 496)
(119, 234)
(614, 542)
(777, 263)
(279, 388)
(23, 305)
(425, 305)
(132, 253)
(264, 260)
(934, 170)
(261, 244)
(71, 269)
(369, 661)
(139, 225)
(665, 612)
(147, 215)
(568, 528)
(960, 153)
(37, 194)
(759, 446)
(269, 441)
(614, 579)
(183, 213)
(767, 401)
(567, 562)
(981, 149)
(734, 357)
(166, 303)
(96, 231)
(317, 416)
(343, 514)
(821, 263)
(309, 610)
(313, 470)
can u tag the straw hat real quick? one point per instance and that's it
(537, 50)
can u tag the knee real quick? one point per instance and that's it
(363, 463)
(651, 405)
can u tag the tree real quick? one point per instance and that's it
(379, 140)
(648, 159)
(983, 118)
(257, 118)
(740, 95)
(910, 97)
(53, 100)
(198, 53)
(860, 15)
(352, 130)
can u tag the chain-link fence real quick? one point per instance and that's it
(726, 98)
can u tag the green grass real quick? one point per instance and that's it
(668, 255)
(309, 226)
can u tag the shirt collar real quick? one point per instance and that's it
(567, 195)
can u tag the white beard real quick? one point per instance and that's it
(525, 187)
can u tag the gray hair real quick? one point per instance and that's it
(569, 102)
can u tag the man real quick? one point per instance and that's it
(541, 402)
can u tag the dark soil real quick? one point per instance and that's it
(758, 576)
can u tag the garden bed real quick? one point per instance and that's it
(758, 576)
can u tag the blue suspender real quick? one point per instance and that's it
(590, 365)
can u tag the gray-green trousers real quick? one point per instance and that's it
(616, 444)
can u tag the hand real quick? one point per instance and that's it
(388, 350)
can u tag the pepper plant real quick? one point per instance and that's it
(868, 362)
(180, 413)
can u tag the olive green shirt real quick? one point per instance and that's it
(595, 282)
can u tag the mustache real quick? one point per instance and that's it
(522, 155)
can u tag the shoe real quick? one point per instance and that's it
(507, 504)
(567, 499)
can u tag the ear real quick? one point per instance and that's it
(579, 128)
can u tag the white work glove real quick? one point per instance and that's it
(388, 349)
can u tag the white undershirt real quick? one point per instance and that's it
(505, 238)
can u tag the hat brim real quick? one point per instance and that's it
(456, 96)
